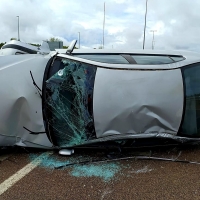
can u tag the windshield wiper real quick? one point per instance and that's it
(32, 132)
(36, 86)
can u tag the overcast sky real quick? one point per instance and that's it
(177, 22)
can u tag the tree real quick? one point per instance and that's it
(13, 38)
(37, 45)
(1, 44)
(53, 39)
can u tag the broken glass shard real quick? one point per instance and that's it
(69, 99)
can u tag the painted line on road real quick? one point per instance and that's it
(22, 172)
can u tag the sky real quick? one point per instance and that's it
(176, 23)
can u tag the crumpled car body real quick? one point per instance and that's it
(20, 101)
(64, 100)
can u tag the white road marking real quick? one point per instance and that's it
(22, 172)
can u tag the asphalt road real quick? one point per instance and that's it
(124, 179)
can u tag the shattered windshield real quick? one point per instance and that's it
(69, 98)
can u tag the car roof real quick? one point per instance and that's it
(132, 51)
(189, 57)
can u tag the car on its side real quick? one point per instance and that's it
(91, 97)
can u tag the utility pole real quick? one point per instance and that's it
(79, 39)
(153, 38)
(18, 28)
(103, 25)
(145, 25)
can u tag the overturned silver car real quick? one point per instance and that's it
(81, 98)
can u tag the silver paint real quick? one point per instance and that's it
(20, 103)
(137, 102)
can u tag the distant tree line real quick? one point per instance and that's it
(53, 39)
(1, 44)
(37, 45)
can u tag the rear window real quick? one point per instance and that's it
(104, 58)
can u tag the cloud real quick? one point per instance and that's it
(177, 23)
